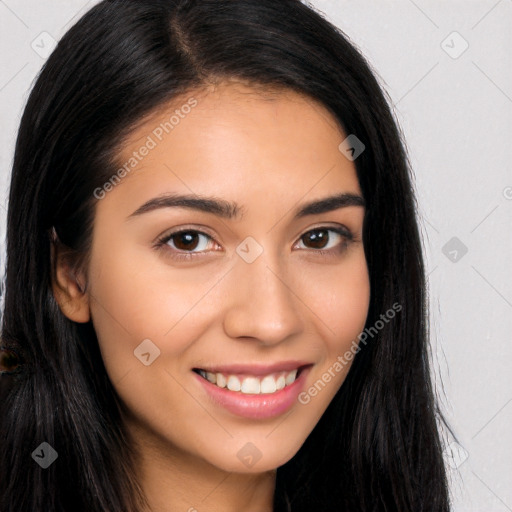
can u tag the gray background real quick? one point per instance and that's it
(454, 105)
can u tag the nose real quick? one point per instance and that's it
(262, 304)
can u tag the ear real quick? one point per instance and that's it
(68, 286)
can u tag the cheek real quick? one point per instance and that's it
(133, 300)
(340, 298)
(162, 307)
(340, 306)
(341, 303)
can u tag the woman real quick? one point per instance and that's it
(282, 366)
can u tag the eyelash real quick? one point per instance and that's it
(346, 235)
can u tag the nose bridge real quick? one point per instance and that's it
(262, 303)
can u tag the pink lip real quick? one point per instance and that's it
(256, 406)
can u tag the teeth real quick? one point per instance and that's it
(221, 380)
(251, 385)
(233, 383)
(268, 385)
(290, 377)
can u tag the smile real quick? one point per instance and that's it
(251, 384)
(254, 391)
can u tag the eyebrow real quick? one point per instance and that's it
(231, 210)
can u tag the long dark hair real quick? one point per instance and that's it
(377, 447)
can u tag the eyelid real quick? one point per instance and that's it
(339, 228)
(199, 228)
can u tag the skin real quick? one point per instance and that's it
(270, 153)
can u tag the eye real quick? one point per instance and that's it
(322, 240)
(188, 244)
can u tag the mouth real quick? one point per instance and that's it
(252, 384)
(256, 392)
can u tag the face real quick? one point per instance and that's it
(221, 316)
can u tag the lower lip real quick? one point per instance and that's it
(261, 406)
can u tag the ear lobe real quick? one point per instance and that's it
(68, 288)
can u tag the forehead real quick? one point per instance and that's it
(239, 139)
(233, 112)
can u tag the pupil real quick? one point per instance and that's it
(318, 238)
(187, 238)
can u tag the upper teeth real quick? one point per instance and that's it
(251, 385)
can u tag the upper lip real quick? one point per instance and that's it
(255, 369)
